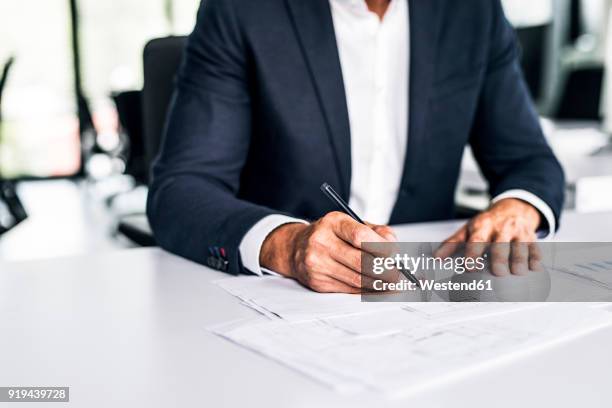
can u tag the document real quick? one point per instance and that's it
(286, 299)
(589, 269)
(412, 315)
(394, 348)
(277, 297)
(422, 353)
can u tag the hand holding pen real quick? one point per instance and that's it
(344, 207)
(324, 255)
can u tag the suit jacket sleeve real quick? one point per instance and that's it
(506, 138)
(193, 205)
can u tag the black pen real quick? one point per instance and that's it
(340, 203)
(344, 207)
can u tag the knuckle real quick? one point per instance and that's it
(315, 239)
(311, 259)
(355, 261)
(519, 257)
(509, 225)
(481, 221)
(358, 235)
(333, 217)
(500, 248)
(387, 232)
(324, 222)
(503, 239)
(383, 229)
(475, 226)
(477, 238)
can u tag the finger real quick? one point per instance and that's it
(338, 257)
(475, 249)
(385, 249)
(327, 284)
(535, 257)
(500, 251)
(353, 232)
(363, 264)
(318, 265)
(500, 257)
(505, 232)
(480, 232)
(385, 231)
(348, 276)
(356, 234)
(527, 236)
(519, 258)
(480, 229)
(346, 254)
(450, 245)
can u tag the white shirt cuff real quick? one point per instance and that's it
(536, 202)
(251, 243)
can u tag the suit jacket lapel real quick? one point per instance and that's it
(314, 26)
(425, 17)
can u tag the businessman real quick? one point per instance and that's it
(376, 97)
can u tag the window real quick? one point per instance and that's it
(39, 130)
(113, 36)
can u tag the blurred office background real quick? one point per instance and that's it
(84, 91)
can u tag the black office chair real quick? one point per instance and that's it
(161, 60)
(581, 74)
(581, 96)
(4, 78)
(129, 110)
(532, 41)
(8, 191)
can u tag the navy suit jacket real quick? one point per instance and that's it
(259, 121)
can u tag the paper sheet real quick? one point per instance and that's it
(423, 352)
(412, 315)
(589, 266)
(288, 300)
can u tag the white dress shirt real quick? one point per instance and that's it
(374, 56)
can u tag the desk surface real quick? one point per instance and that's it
(127, 328)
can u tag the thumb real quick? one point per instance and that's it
(384, 231)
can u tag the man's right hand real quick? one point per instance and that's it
(325, 255)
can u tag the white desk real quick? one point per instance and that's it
(127, 328)
(65, 218)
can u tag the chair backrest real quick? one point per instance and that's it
(533, 42)
(129, 110)
(161, 60)
(3, 79)
(580, 98)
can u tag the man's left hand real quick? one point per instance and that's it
(508, 221)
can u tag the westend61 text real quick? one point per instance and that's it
(479, 285)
